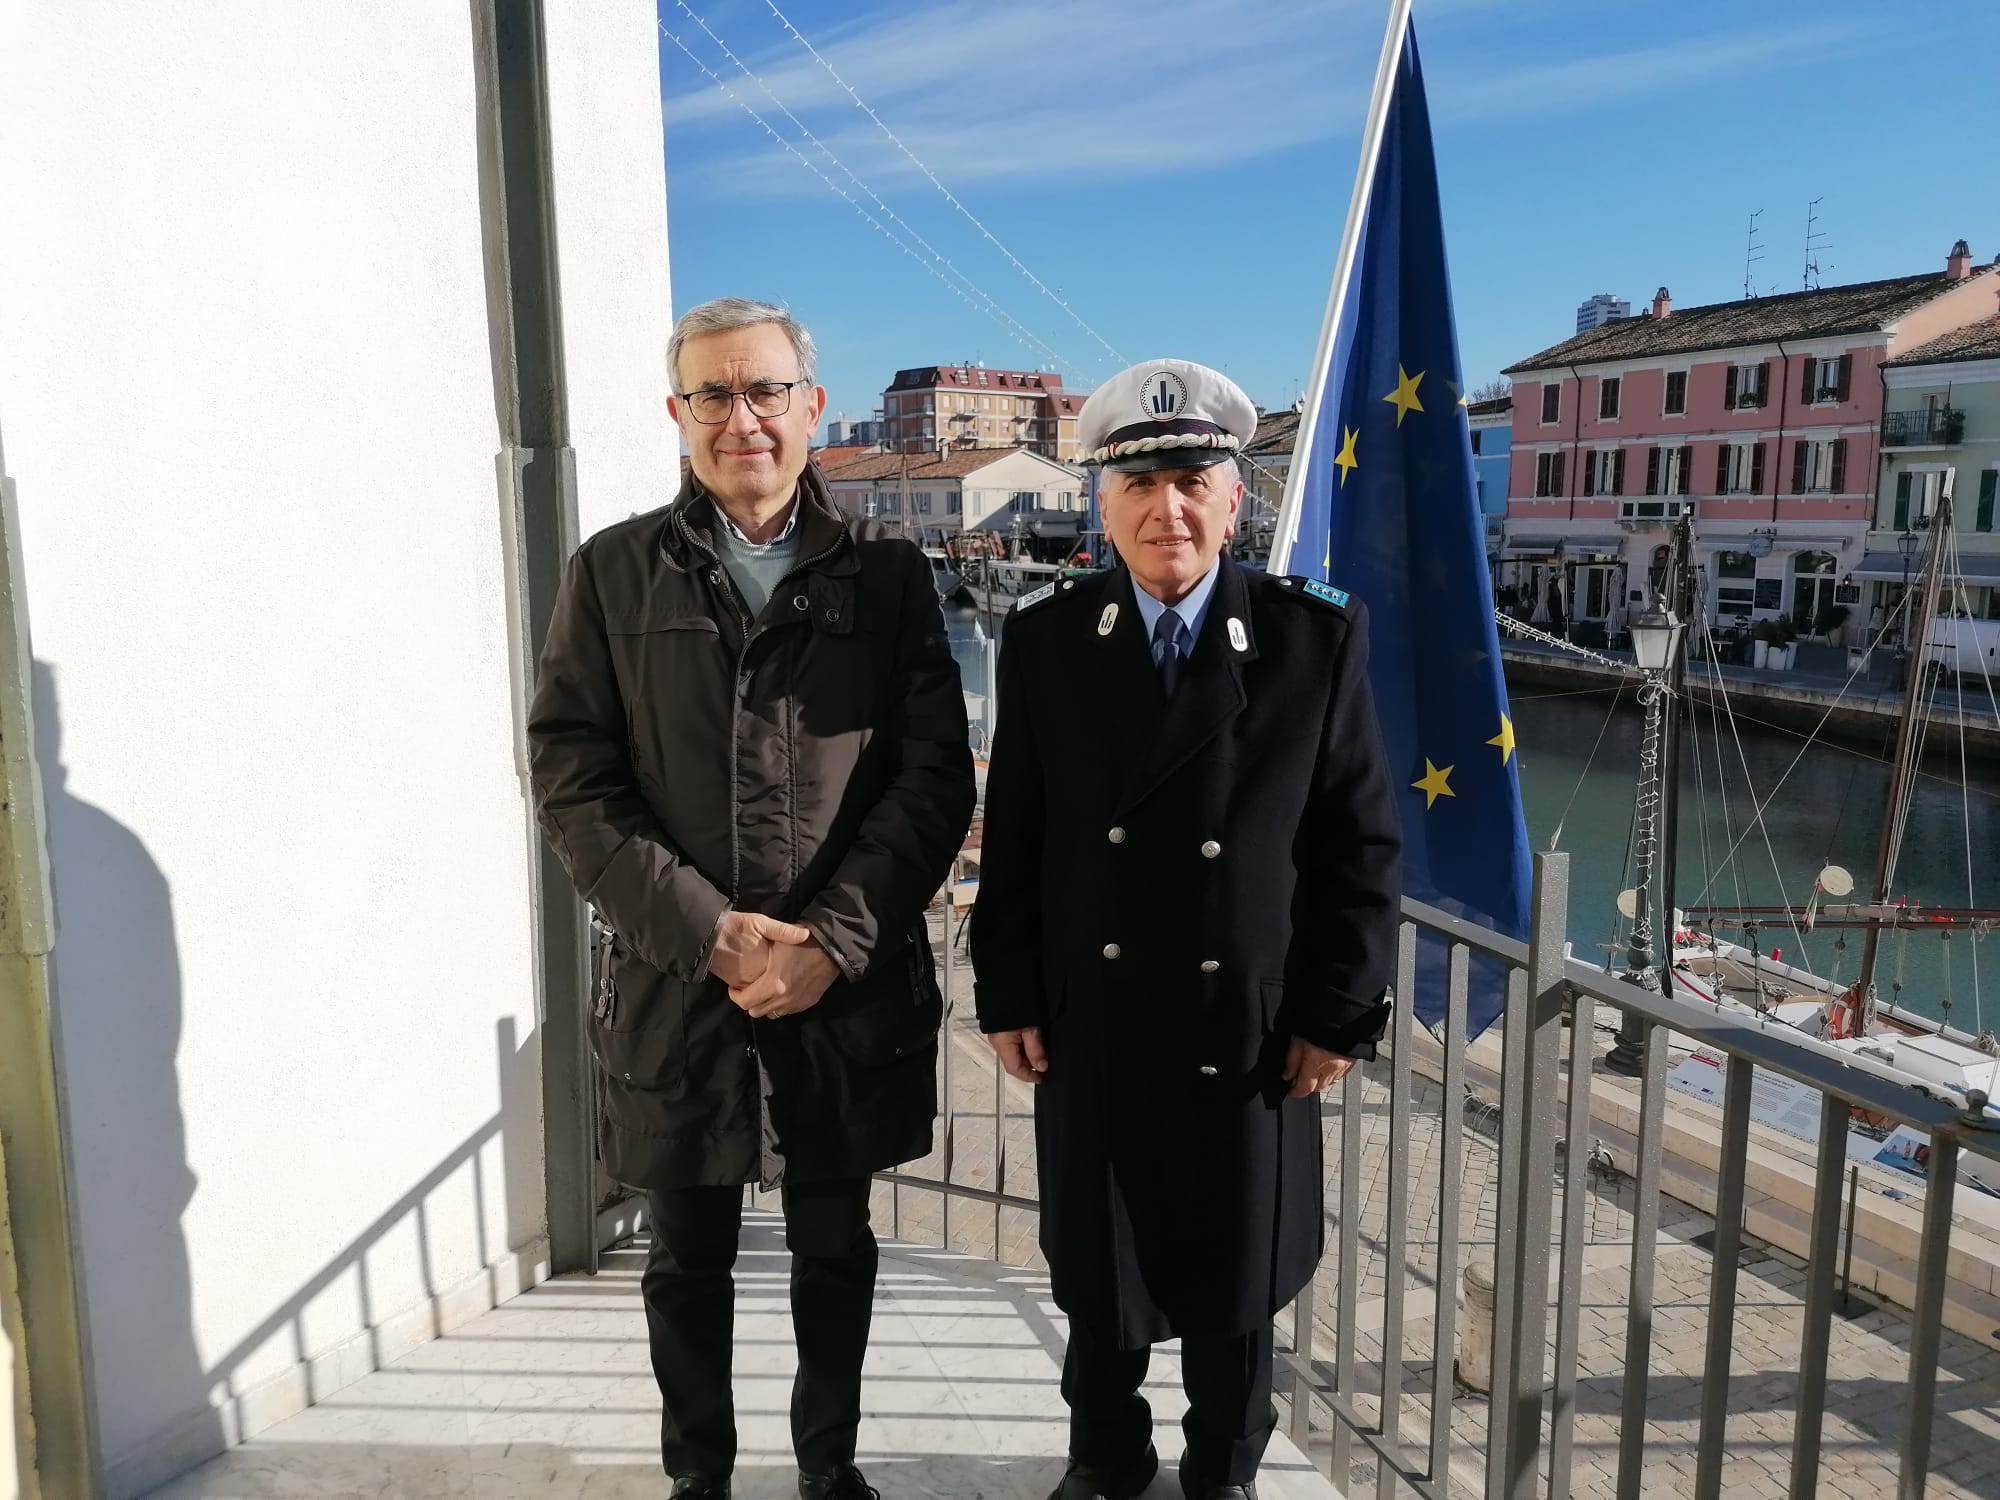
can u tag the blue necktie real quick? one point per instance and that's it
(1169, 634)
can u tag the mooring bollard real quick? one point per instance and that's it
(1475, 1328)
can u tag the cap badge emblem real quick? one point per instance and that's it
(1163, 395)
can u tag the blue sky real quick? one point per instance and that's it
(1176, 173)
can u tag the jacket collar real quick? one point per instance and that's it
(826, 538)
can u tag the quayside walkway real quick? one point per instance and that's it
(550, 1397)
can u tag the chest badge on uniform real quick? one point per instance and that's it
(1106, 620)
(1237, 638)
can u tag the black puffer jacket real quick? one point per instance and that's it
(810, 765)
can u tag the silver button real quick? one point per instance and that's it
(1207, 1072)
(1209, 966)
(1117, 835)
(799, 602)
(1112, 950)
(1210, 849)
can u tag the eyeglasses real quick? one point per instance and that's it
(767, 398)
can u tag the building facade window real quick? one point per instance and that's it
(1548, 474)
(1746, 386)
(1917, 492)
(1826, 381)
(1475, 440)
(1668, 470)
(954, 503)
(888, 503)
(1675, 403)
(1739, 469)
(1604, 472)
(920, 502)
(1819, 467)
(1022, 502)
(1607, 398)
(1989, 488)
(1552, 402)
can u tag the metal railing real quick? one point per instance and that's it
(1529, 1443)
(1940, 425)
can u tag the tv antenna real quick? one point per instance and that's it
(1752, 253)
(1816, 242)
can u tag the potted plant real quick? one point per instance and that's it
(1764, 638)
(1784, 649)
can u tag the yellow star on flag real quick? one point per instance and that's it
(1435, 783)
(1347, 460)
(1404, 396)
(1504, 739)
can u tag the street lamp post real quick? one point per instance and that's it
(1907, 545)
(1656, 645)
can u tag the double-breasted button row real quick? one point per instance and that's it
(1210, 849)
(1116, 835)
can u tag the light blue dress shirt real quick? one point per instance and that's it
(1192, 609)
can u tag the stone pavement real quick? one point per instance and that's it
(1869, 1361)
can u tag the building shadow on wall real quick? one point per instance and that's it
(116, 979)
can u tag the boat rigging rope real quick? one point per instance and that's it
(1528, 632)
(1555, 839)
(1964, 787)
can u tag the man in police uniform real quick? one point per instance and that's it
(1185, 929)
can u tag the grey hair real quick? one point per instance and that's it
(725, 313)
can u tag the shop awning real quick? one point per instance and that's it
(1975, 569)
(1574, 547)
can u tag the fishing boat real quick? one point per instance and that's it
(1846, 1014)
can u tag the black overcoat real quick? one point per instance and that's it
(810, 764)
(1172, 890)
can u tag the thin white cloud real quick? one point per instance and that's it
(1077, 95)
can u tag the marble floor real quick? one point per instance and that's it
(551, 1397)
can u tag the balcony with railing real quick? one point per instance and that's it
(1611, 1289)
(1935, 427)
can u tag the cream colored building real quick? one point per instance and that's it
(944, 408)
(932, 497)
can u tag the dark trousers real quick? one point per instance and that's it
(1229, 1417)
(691, 1314)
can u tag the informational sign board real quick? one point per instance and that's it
(1776, 1101)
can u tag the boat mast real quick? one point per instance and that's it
(1908, 745)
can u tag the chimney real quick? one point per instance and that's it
(1958, 265)
(1663, 303)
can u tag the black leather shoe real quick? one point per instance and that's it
(700, 1487)
(845, 1483)
(1195, 1488)
(1084, 1481)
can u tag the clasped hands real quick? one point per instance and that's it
(772, 968)
(1308, 1069)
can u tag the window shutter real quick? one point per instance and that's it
(1729, 390)
(1902, 521)
(1760, 385)
(1722, 469)
(1837, 480)
(1799, 467)
(1756, 468)
(1809, 387)
(1652, 471)
(1846, 376)
(1687, 467)
(1556, 476)
(1618, 473)
(1989, 488)
(1590, 473)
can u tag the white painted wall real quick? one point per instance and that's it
(611, 217)
(246, 393)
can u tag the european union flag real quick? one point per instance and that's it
(1387, 509)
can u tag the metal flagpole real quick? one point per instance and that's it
(1343, 271)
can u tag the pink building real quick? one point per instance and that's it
(1760, 419)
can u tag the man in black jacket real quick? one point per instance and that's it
(749, 749)
(1185, 929)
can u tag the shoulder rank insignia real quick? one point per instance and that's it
(1027, 601)
(1325, 591)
